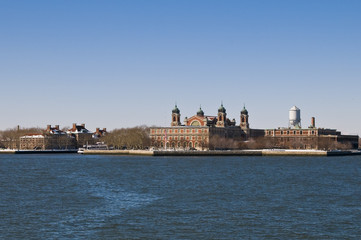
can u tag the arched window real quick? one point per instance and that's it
(190, 144)
(195, 123)
(196, 144)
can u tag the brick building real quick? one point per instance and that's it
(201, 131)
(52, 138)
(82, 135)
(311, 138)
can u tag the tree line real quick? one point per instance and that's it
(138, 138)
(10, 138)
(128, 138)
(123, 138)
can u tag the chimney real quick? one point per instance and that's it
(313, 122)
(97, 130)
(83, 125)
(105, 129)
(57, 127)
(74, 126)
(48, 127)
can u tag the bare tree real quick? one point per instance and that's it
(131, 138)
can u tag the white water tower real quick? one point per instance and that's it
(295, 117)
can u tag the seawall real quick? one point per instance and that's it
(119, 152)
(12, 151)
(267, 152)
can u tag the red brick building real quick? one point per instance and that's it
(202, 131)
(51, 138)
(311, 138)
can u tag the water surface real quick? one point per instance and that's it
(121, 197)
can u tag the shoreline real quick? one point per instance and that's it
(254, 152)
(263, 152)
(55, 151)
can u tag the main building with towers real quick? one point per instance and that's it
(202, 131)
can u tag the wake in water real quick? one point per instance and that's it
(101, 201)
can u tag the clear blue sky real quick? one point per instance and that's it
(125, 63)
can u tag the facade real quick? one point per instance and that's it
(82, 135)
(52, 138)
(202, 132)
(310, 138)
(99, 133)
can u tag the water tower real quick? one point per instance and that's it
(295, 117)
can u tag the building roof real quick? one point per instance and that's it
(78, 129)
(222, 109)
(176, 109)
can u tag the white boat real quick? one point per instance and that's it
(97, 146)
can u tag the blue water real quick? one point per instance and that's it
(120, 197)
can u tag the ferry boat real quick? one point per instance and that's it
(97, 146)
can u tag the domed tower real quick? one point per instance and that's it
(244, 118)
(175, 117)
(200, 112)
(222, 116)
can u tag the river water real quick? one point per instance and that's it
(129, 197)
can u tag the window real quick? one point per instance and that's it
(195, 123)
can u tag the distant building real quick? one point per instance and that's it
(311, 138)
(296, 137)
(82, 135)
(99, 133)
(202, 132)
(52, 138)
